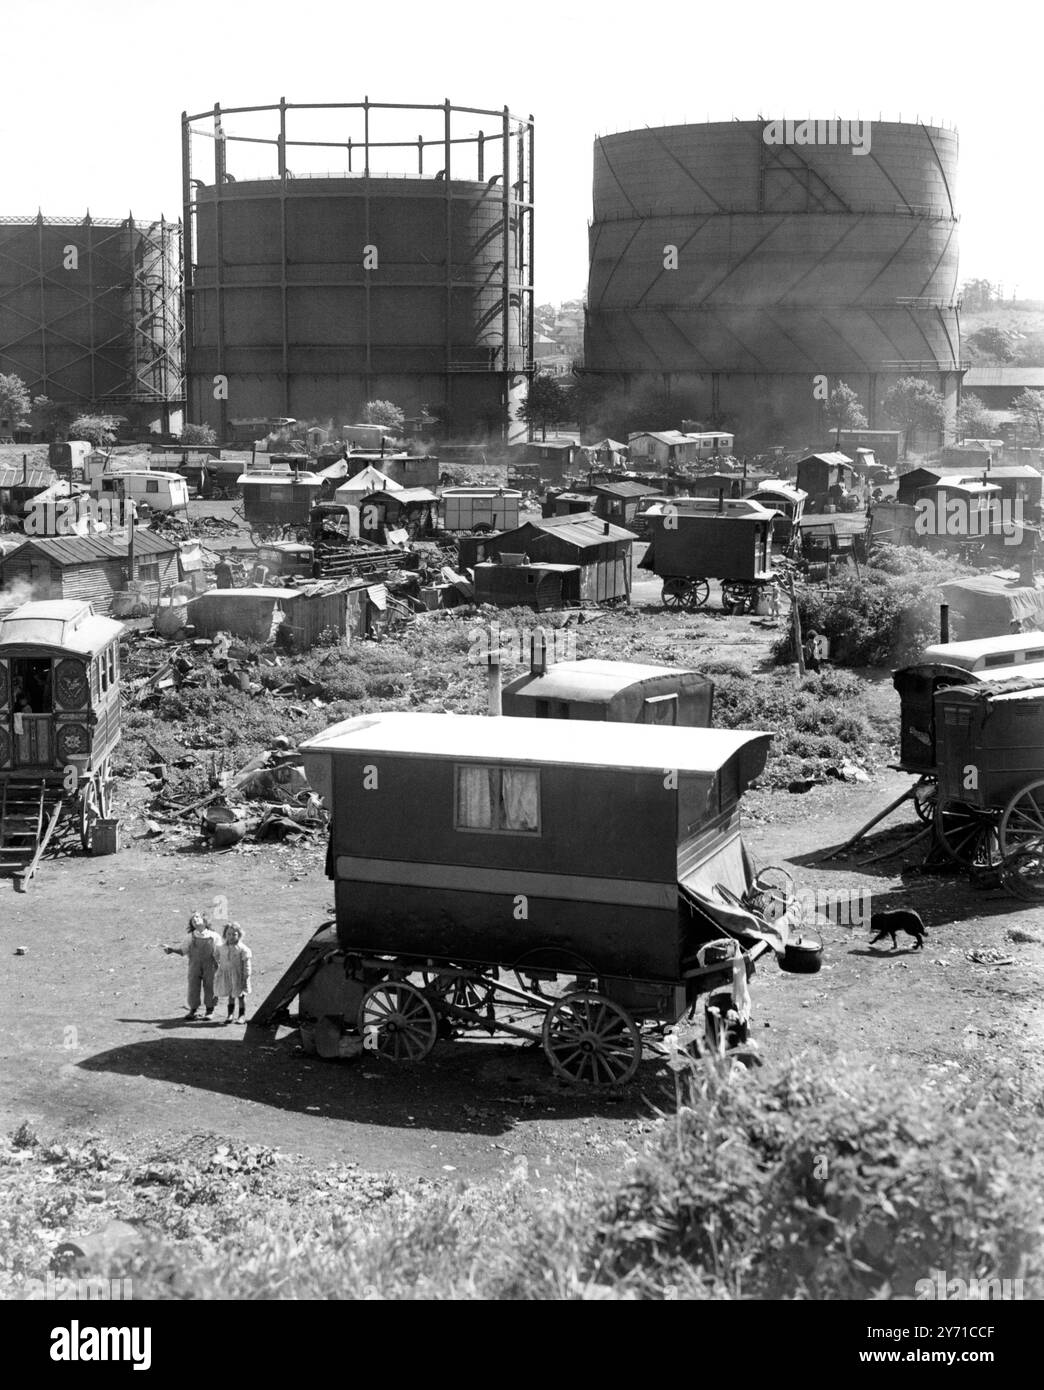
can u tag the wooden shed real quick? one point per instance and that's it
(469, 812)
(619, 502)
(602, 550)
(820, 475)
(279, 499)
(617, 691)
(93, 568)
(414, 510)
(539, 586)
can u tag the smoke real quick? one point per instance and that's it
(15, 594)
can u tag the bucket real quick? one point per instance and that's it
(105, 837)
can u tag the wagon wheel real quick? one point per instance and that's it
(399, 1020)
(589, 1038)
(462, 989)
(1022, 842)
(89, 812)
(674, 593)
(697, 594)
(104, 780)
(925, 794)
(968, 836)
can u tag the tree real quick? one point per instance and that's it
(51, 419)
(977, 294)
(843, 411)
(1029, 408)
(384, 413)
(198, 434)
(545, 402)
(98, 430)
(999, 343)
(974, 421)
(914, 404)
(14, 400)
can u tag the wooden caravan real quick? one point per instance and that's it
(617, 691)
(477, 859)
(695, 541)
(59, 724)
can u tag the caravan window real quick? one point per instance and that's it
(502, 799)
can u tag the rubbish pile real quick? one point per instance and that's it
(156, 667)
(176, 528)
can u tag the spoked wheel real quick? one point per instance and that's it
(925, 794)
(1022, 842)
(969, 836)
(774, 893)
(397, 1021)
(462, 989)
(697, 595)
(105, 780)
(674, 593)
(89, 811)
(589, 1038)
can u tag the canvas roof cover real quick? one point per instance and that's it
(989, 604)
(591, 681)
(643, 747)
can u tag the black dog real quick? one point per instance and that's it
(900, 919)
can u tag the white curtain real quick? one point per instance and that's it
(520, 798)
(475, 798)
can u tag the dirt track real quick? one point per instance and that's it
(93, 1041)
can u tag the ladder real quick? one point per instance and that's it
(29, 814)
(274, 1008)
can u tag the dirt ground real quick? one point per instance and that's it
(93, 1041)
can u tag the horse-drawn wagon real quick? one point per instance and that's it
(59, 725)
(535, 879)
(696, 540)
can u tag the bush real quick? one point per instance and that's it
(885, 618)
(198, 434)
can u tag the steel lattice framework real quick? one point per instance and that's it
(90, 310)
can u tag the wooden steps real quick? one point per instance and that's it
(29, 813)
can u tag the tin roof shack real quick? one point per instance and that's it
(539, 586)
(788, 502)
(473, 811)
(566, 503)
(620, 692)
(275, 500)
(824, 477)
(602, 551)
(94, 568)
(555, 457)
(619, 502)
(661, 449)
(694, 542)
(408, 471)
(255, 613)
(18, 487)
(411, 513)
(987, 605)
(480, 508)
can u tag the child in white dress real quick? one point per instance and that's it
(233, 970)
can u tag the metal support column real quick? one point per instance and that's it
(447, 176)
(219, 260)
(284, 315)
(186, 262)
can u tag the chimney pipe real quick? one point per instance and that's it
(721, 499)
(25, 468)
(944, 622)
(538, 652)
(493, 701)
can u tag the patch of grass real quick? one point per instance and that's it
(792, 1182)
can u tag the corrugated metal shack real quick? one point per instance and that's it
(18, 486)
(618, 691)
(602, 550)
(539, 586)
(351, 608)
(619, 502)
(93, 568)
(819, 474)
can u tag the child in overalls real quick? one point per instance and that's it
(233, 972)
(201, 947)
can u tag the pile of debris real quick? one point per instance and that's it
(176, 528)
(268, 799)
(156, 667)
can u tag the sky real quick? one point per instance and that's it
(92, 94)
